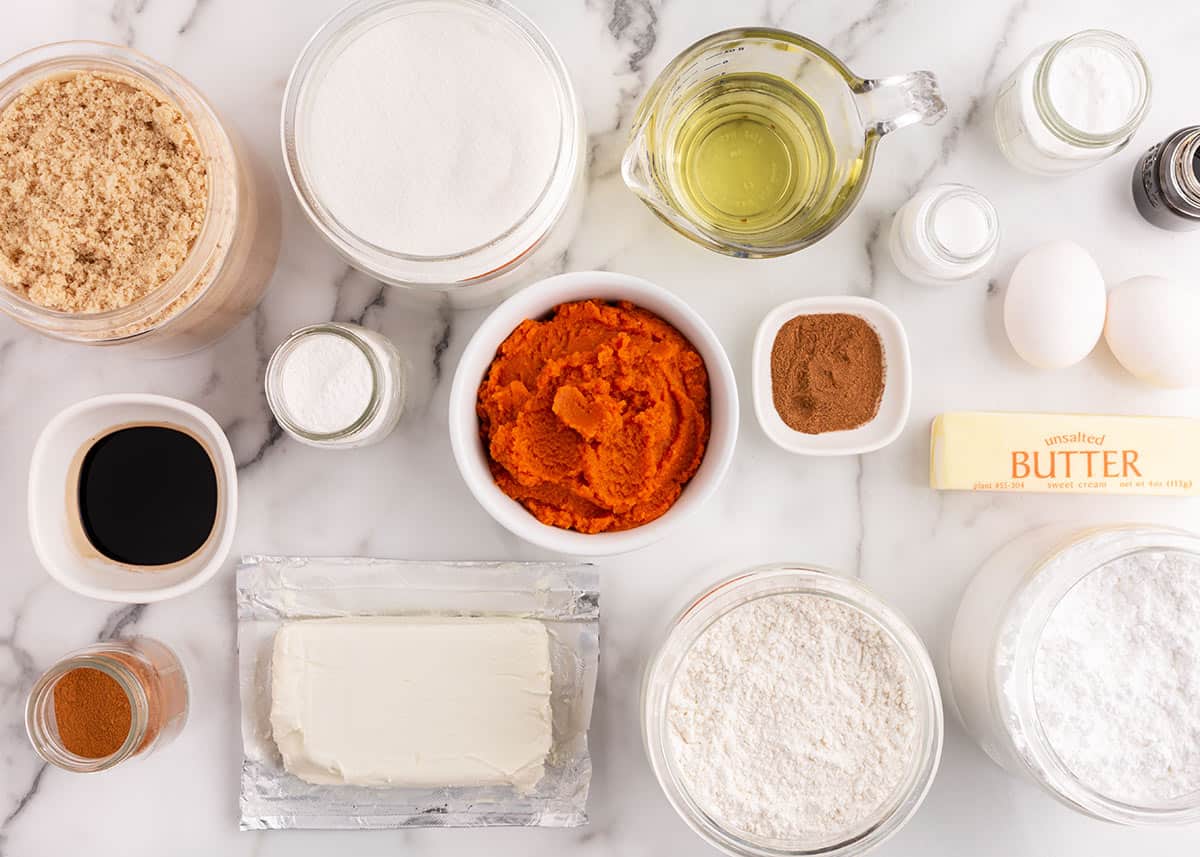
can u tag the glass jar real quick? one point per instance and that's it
(995, 641)
(1166, 182)
(474, 276)
(229, 265)
(698, 615)
(149, 674)
(944, 234)
(1038, 126)
(388, 387)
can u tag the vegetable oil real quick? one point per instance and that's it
(751, 154)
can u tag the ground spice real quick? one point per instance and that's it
(92, 713)
(827, 372)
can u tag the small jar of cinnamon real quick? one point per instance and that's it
(106, 703)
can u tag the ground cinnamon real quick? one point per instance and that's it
(827, 372)
(92, 713)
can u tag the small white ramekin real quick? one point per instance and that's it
(57, 538)
(897, 380)
(535, 302)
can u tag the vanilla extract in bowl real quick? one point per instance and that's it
(147, 495)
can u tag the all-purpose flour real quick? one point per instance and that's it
(792, 716)
(433, 132)
(1117, 678)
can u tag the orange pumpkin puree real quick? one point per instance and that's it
(596, 418)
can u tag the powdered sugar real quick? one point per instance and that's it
(1117, 678)
(792, 717)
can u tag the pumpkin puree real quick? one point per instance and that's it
(596, 418)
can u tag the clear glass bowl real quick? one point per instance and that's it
(231, 262)
(698, 615)
(994, 644)
(475, 276)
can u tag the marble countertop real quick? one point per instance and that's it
(871, 516)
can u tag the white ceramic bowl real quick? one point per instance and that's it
(57, 537)
(897, 387)
(536, 301)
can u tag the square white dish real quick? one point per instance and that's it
(888, 422)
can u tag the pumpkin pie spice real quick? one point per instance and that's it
(827, 372)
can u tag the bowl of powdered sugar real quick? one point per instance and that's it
(790, 710)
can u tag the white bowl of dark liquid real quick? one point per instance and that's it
(132, 497)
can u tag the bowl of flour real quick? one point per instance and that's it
(790, 710)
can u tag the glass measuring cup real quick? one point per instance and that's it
(759, 142)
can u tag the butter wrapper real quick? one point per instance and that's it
(1065, 453)
(272, 591)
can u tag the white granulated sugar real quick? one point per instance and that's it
(433, 132)
(1117, 678)
(326, 383)
(1092, 88)
(792, 716)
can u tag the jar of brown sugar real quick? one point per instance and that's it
(107, 703)
(129, 212)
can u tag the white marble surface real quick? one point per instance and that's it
(872, 516)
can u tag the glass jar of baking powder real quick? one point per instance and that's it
(1072, 103)
(669, 659)
(336, 385)
(231, 261)
(149, 675)
(996, 655)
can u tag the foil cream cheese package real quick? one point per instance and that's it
(1066, 453)
(380, 694)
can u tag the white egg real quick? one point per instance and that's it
(1153, 329)
(1055, 304)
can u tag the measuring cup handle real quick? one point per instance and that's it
(895, 102)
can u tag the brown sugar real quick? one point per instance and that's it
(103, 191)
(92, 713)
(596, 418)
(827, 372)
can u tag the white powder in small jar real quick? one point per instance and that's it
(1117, 678)
(325, 383)
(962, 226)
(793, 717)
(337, 385)
(434, 131)
(1093, 88)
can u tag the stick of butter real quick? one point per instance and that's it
(422, 702)
(1069, 453)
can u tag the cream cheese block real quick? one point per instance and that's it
(414, 701)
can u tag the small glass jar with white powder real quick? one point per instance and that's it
(1072, 103)
(944, 234)
(336, 385)
(791, 711)
(1075, 662)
